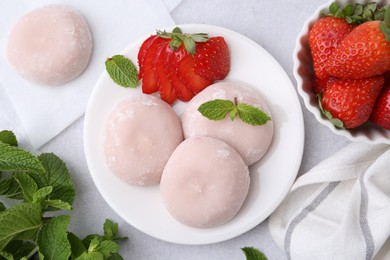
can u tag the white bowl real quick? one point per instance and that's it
(303, 70)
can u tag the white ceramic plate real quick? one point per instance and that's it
(303, 67)
(271, 178)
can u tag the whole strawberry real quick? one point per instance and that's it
(325, 35)
(363, 53)
(381, 113)
(348, 103)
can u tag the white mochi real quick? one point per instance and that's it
(50, 45)
(251, 142)
(140, 135)
(204, 183)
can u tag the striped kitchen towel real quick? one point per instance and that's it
(340, 209)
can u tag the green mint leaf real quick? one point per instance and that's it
(216, 109)
(27, 185)
(233, 114)
(122, 71)
(13, 159)
(56, 175)
(40, 194)
(111, 231)
(19, 222)
(252, 253)
(115, 256)
(10, 188)
(58, 204)
(8, 137)
(52, 238)
(91, 256)
(107, 248)
(19, 249)
(2, 207)
(76, 245)
(6, 255)
(252, 115)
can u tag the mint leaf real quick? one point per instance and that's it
(52, 239)
(91, 256)
(122, 71)
(26, 184)
(2, 207)
(19, 222)
(10, 188)
(111, 231)
(40, 194)
(252, 253)
(58, 204)
(216, 109)
(56, 175)
(104, 247)
(8, 137)
(19, 249)
(252, 115)
(77, 246)
(13, 159)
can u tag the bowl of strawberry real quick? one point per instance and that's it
(342, 68)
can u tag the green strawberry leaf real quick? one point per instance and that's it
(19, 222)
(252, 253)
(216, 109)
(56, 175)
(335, 121)
(8, 137)
(13, 159)
(122, 71)
(27, 185)
(252, 115)
(52, 238)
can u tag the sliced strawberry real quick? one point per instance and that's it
(149, 78)
(182, 92)
(167, 92)
(142, 53)
(186, 73)
(212, 58)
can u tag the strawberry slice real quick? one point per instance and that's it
(167, 91)
(149, 77)
(212, 59)
(186, 72)
(142, 53)
(182, 92)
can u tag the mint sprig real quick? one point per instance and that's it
(252, 253)
(217, 109)
(30, 228)
(122, 71)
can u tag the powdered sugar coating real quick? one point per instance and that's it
(50, 45)
(140, 135)
(204, 183)
(251, 142)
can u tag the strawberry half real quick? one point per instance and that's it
(381, 113)
(351, 101)
(142, 53)
(182, 92)
(149, 76)
(212, 59)
(325, 35)
(167, 92)
(186, 72)
(363, 53)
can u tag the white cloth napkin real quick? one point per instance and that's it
(340, 209)
(46, 111)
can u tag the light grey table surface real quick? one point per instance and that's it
(272, 24)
